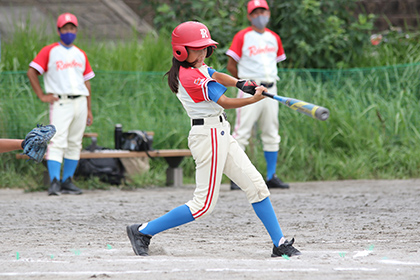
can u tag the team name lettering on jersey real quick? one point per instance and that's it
(257, 54)
(64, 65)
(65, 70)
(254, 50)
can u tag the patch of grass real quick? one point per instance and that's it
(373, 130)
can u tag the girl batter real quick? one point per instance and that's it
(201, 91)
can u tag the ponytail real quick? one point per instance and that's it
(173, 73)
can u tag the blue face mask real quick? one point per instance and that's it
(67, 38)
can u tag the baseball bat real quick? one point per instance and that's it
(311, 110)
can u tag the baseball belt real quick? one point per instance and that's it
(68, 96)
(201, 121)
(267, 85)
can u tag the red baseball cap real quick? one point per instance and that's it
(253, 4)
(63, 19)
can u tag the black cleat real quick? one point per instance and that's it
(54, 188)
(276, 183)
(286, 249)
(67, 187)
(234, 186)
(139, 241)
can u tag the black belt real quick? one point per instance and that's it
(69, 96)
(201, 121)
(267, 85)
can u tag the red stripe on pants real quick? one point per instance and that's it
(212, 180)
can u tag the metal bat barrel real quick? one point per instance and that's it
(311, 110)
(322, 113)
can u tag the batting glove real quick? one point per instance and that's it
(247, 86)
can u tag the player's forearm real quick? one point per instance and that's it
(232, 103)
(232, 67)
(7, 145)
(89, 120)
(89, 103)
(225, 79)
(33, 79)
(233, 72)
(87, 83)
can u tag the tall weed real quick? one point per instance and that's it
(373, 130)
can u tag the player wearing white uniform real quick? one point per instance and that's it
(254, 54)
(66, 71)
(201, 91)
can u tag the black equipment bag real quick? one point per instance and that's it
(108, 170)
(136, 140)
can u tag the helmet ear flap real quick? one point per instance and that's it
(180, 53)
(209, 51)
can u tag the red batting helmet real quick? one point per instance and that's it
(63, 19)
(253, 4)
(192, 34)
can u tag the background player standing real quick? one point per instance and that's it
(67, 73)
(254, 54)
(201, 91)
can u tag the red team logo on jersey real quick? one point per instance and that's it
(64, 65)
(199, 81)
(254, 50)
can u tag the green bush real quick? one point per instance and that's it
(395, 47)
(321, 33)
(315, 33)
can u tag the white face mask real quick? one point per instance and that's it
(260, 21)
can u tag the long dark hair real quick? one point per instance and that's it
(173, 73)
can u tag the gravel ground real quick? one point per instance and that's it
(345, 230)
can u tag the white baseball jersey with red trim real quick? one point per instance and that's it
(65, 69)
(193, 93)
(257, 54)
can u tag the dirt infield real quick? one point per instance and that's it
(345, 230)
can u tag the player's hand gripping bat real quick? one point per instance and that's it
(314, 111)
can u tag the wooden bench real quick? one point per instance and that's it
(174, 157)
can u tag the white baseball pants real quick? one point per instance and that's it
(69, 117)
(216, 152)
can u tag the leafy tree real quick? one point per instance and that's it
(315, 33)
(321, 34)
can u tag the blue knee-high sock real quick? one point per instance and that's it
(54, 168)
(69, 168)
(271, 160)
(176, 217)
(265, 212)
